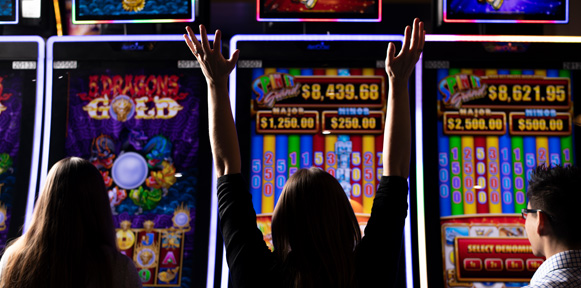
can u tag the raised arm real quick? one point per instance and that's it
(222, 130)
(397, 134)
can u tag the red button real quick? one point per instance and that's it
(493, 264)
(472, 264)
(513, 264)
(533, 264)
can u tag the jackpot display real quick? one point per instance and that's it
(132, 11)
(329, 118)
(21, 75)
(136, 117)
(319, 10)
(500, 11)
(494, 116)
(314, 106)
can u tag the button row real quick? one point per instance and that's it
(497, 264)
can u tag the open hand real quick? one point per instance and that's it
(401, 66)
(214, 66)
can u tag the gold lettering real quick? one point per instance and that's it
(166, 104)
(98, 108)
(509, 249)
(480, 248)
(141, 111)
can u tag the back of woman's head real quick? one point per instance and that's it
(315, 231)
(71, 225)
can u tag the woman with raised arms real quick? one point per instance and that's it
(317, 240)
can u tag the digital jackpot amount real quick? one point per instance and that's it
(495, 126)
(332, 119)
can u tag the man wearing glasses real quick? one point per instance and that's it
(553, 225)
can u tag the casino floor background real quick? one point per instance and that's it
(494, 91)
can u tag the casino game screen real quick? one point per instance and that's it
(9, 12)
(319, 10)
(310, 108)
(20, 96)
(132, 11)
(491, 115)
(138, 120)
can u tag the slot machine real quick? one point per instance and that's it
(21, 87)
(494, 108)
(304, 101)
(135, 107)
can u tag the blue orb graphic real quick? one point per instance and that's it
(129, 170)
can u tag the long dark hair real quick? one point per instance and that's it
(315, 231)
(71, 227)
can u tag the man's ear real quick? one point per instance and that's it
(543, 224)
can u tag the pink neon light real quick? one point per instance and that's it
(379, 18)
(142, 20)
(566, 20)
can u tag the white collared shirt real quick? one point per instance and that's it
(562, 270)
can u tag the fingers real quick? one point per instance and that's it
(390, 52)
(416, 32)
(189, 43)
(217, 40)
(205, 43)
(418, 38)
(193, 42)
(422, 39)
(232, 61)
(406, 40)
(421, 36)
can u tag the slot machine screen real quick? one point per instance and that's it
(499, 11)
(494, 108)
(133, 11)
(21, 83)
(134, 107)
(306, 101)
(9, 12)
(318, 11)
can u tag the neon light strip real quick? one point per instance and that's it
(145, 20)
(503, 38)
(422, 256)
(48, 117)
(37, 135)
(15, 21)
(409, 271)
(225, 271)
(565, 21)
(420, 178)
(420, 185)
(378, 38)
(37, 123)
(378, 19)
(213, 230)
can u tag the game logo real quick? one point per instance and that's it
(139, 127)
(319, 10)
(132, 11)
(500, 11)
(494, 127)
(331, 118)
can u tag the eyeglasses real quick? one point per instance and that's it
(524, 212)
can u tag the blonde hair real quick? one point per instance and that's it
(71, 225)
(315, 231)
